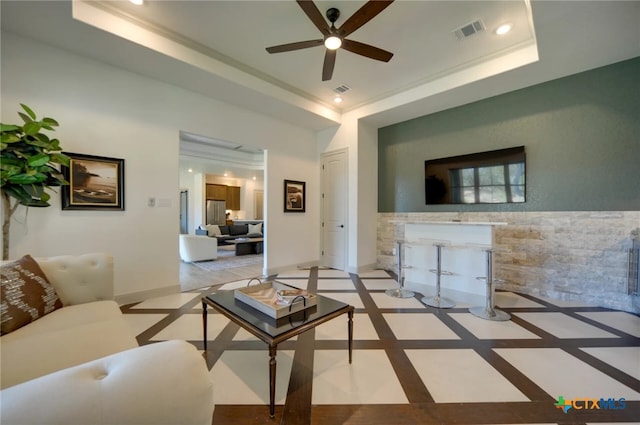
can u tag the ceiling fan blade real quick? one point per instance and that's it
(366, 50)
(329, 63)
(362, 16)
(311, 10)
(294, 46)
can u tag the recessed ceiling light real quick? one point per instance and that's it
(190, 170)
(137, 2)
(337, 99)
(254, 177)
(503, 29)
(226, 174)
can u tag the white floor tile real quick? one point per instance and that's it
(345, 297)
(563, 326)
(331, 273)
(243, 377)
(189, 328)
(295, 273)
(562, 374)
(337, 329)
(627, 359)
(168, 301)
(377, 284)
(511, 300)
(418, 326)
(462, 376)
(335, 284)
(374, 273)
(141, 322)
(383, 300)
(487, 329)
(619, 320)
(335, 381)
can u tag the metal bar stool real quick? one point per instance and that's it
(438, 301)
(400, 292)
(488, 311)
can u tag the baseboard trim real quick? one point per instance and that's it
(135, 297)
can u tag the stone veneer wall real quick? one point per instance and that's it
(573, 256)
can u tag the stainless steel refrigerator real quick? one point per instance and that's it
(216, 213)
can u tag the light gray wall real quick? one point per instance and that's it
(581, 134)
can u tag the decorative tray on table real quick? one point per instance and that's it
(276, 299)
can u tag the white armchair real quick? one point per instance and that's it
(198, 248)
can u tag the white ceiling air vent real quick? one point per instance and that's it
(469, 29)
(341, 89)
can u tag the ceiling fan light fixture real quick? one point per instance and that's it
(332, 42)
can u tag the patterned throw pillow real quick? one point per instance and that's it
(26, 294)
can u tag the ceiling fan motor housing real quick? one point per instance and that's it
(333, 14)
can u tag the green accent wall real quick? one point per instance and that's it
(581, 134)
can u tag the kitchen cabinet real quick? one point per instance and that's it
(233, 198)
(217, 192)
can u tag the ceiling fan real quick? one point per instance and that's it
(334, 38)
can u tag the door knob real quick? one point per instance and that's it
(341, 225)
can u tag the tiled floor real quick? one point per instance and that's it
(413, 364)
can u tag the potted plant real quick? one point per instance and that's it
(28, 159)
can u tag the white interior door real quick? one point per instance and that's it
(334, 210)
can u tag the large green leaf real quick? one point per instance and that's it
(34, 190)
(50, 122)
(8, 127)
(23, 178)
(31, 128)
(33, 202)
(38, 160)
(28, 111)
(9, 138)
(10, 163)
(60, 158)
(25, 117)
(18, 193)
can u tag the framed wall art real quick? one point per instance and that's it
(294, 196)
(95, 183)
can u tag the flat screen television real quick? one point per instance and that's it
(491, 177)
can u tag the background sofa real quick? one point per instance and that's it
(225, 234)
(81, 363)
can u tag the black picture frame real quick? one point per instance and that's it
(95, 183)
(295, 196)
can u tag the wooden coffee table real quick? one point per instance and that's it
(273, 331)
(248, 246)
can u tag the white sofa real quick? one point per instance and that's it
(198, 248)
(81, 364)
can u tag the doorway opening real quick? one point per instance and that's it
(228, 178)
